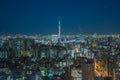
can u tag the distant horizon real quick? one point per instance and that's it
(2, 34)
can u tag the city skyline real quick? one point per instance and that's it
(77, 17)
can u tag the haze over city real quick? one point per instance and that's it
(77, 16)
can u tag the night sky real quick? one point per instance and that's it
(77, 16)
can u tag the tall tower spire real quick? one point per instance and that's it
(59, 27)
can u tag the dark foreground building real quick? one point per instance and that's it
(88, 69)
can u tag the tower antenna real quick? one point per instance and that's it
(59, 27)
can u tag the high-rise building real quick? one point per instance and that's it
(87, 69)
(117, 67)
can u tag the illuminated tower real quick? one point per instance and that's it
(59, 28)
